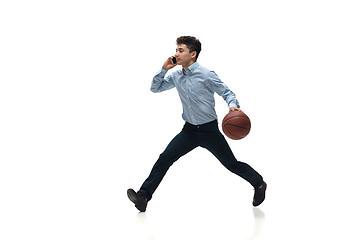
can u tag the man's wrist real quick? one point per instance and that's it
(233, 105)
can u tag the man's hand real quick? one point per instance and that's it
(168, 64)
(235, 109)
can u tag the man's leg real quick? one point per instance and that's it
(215, 142)
(183, 143)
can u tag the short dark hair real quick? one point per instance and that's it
(192, 43)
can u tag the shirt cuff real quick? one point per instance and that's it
(162, 72)
(232, 104)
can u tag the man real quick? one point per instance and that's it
(196, 86)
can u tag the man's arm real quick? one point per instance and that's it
(222, 90)
(159, 82)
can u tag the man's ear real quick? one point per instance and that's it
(193, 54)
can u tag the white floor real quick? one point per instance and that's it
(99, 209)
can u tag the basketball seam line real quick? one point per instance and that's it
(235, 117)
(236, 126)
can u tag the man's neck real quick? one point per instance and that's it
(185, 66)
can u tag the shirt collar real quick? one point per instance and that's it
(191, 69)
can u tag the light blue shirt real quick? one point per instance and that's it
(196, 87)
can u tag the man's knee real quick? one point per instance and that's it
(235, 166)
(166, 159)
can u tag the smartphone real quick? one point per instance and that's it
(173, 60)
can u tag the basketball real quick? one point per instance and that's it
(236, 125)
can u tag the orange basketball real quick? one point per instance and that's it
(236, 125)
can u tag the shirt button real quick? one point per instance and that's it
(189, 106)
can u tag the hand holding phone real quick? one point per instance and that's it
(170, 63)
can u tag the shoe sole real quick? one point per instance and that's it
(132, 195)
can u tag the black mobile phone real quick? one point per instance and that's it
(173, 60)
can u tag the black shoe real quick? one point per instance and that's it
(259, 195)
(138, 199)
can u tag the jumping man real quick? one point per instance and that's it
(196, 86)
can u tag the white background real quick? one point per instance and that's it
(79, 125)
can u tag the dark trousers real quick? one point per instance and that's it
(207, 136)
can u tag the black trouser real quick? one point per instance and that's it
(207, 136)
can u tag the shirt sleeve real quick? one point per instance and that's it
(160, 83)
(222, 90)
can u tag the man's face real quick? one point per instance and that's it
(183, 55)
